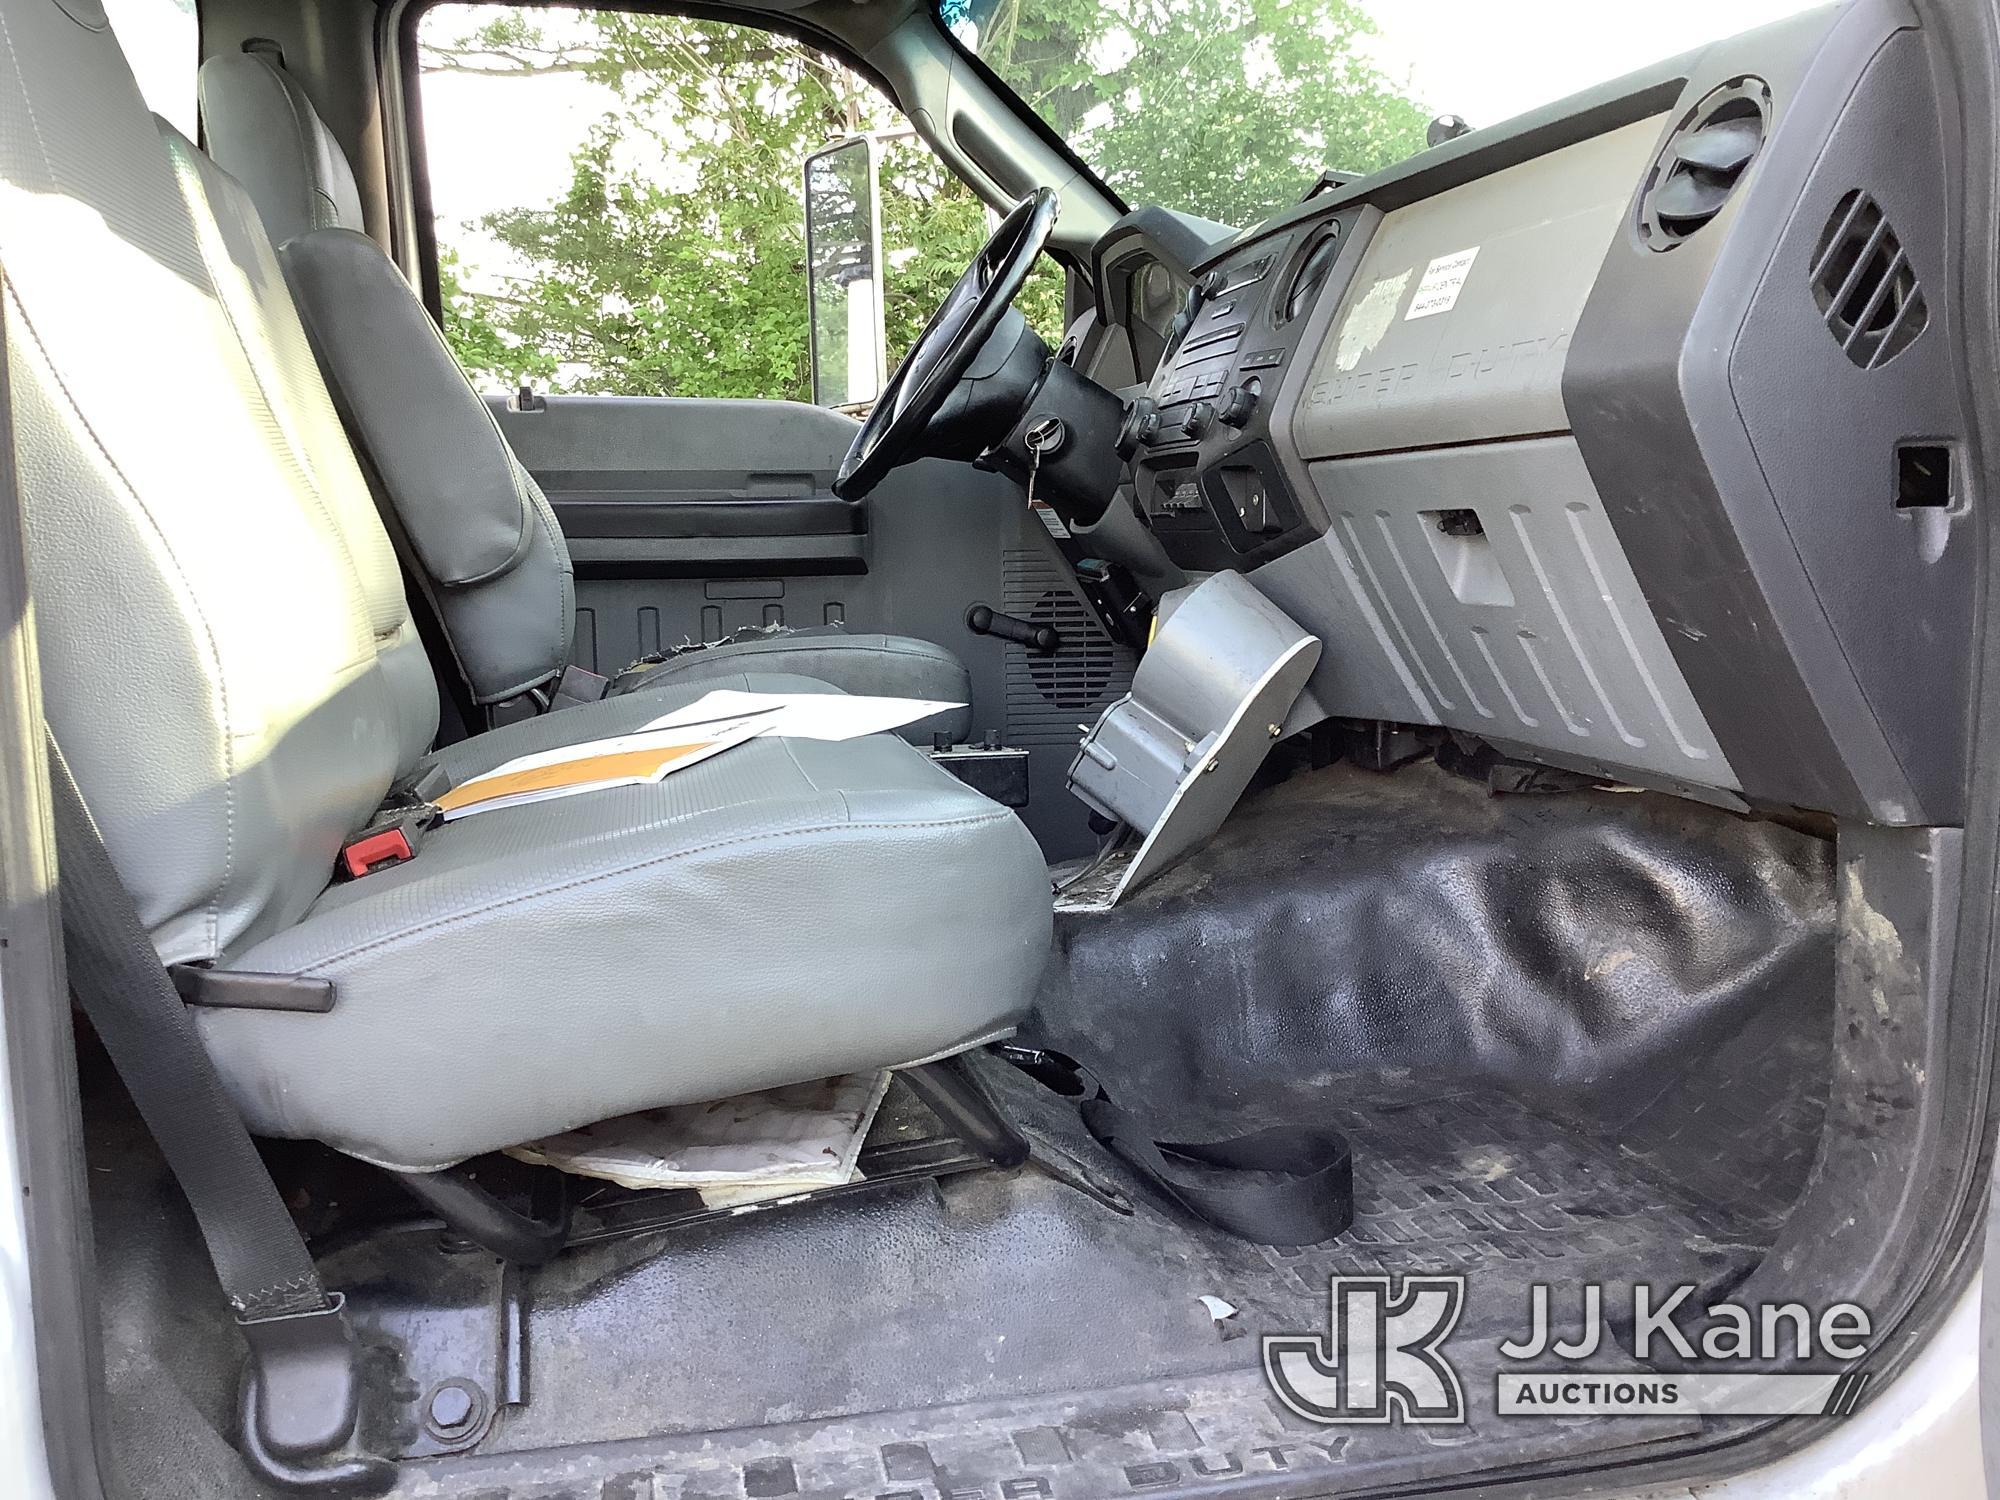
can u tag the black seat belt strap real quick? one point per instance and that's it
(302, 1398)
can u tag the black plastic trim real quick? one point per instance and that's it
(603, 515)
(1684, 489)
(1172, 235)
(719, 556)
(248, 989)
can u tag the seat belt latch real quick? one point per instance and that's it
(390, 840)
(578, 686)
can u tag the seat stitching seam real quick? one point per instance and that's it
(811, 643)
(228, 735)
(228, 745)
(793, 756)
(543, 518)
(303, 137)
(318, 966)
(34, 119)
(219, 265)
(515, 468)
(515, 472)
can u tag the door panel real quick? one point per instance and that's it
(690, 519)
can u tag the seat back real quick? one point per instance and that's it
(476, 534)
(479, 538)
(228, 660)
(263, 130)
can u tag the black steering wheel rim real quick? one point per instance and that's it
(943, 352)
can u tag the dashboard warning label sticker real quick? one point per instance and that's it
(1444, 279)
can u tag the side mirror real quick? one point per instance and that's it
(844, 274)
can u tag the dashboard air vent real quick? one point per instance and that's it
(1703, 161)
(1864, 284)
(1308, 275)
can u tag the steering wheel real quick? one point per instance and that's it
(945, 349)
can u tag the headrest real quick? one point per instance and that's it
(263, 130)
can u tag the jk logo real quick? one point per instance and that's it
(1382, 1359)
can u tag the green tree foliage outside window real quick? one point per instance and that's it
(673, 262)
(1224, 108)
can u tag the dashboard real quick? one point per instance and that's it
(1210, 483)
(1626, 436)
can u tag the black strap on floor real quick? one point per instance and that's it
(144, 1024)
(1283, 1186)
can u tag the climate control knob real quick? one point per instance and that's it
(1200, 417)
(1240, 403)
(1140, 427)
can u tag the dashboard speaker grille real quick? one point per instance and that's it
(1048, 695)
(1864, 285)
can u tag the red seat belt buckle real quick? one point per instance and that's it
(391, 841)
(376, 851)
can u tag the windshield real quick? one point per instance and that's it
(1232, 108)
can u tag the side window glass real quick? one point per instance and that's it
(619, 201)
(162, 42)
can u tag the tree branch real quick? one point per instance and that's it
(507, 62)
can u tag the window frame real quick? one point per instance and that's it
(415, 155)
(1031, 116)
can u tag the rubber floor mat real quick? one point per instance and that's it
(1013, 1336)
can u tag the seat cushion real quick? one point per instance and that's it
(787, 910)
(885, 666)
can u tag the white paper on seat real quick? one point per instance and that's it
(803, 716)
(648, 754)
(767, 1144)
(680, 739)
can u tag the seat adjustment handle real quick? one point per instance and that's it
(982, 619)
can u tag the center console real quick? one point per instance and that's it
(1209, 477)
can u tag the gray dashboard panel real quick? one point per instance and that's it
(1687, 490)
(1532, 631)
(1456, 322)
